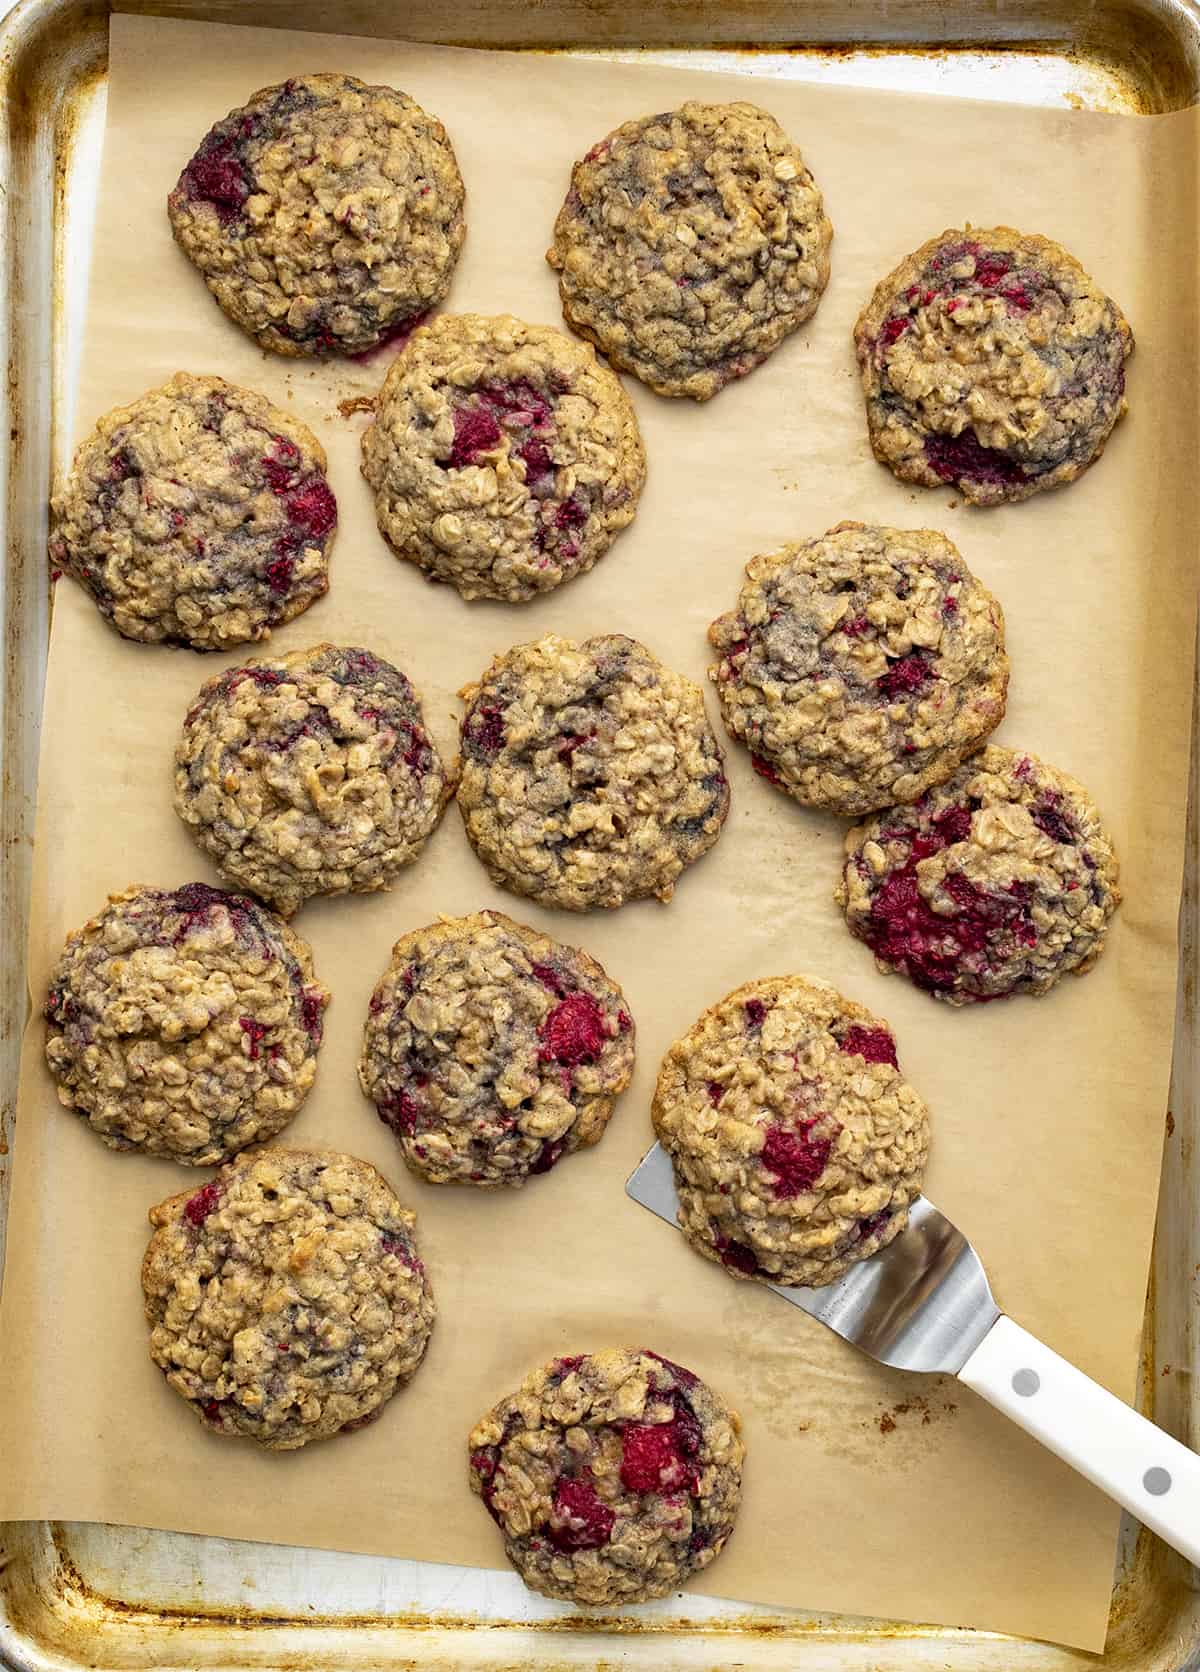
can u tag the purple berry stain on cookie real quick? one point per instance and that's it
(400, 1111)
(572, 513)
(548, 1156)
(312, 1005)
(585, 1521)
(549, 978)
(764, 769)
(873, 1224)
(279, 573)
(735, 1255)
(198, 1207)
(539, 466)
(685, 1378)
(756, 1013)
(255, 1032)
(796, 1158)
(716, 1092)
(955, 457)
(1050, 820)
(485, 732)
(929, 946)
(217, 176)
(573, 1032)
(872, 1044)
(475, 432)
(905, 678)
(484, 1462)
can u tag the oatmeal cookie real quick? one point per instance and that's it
(690, 245)
(325, 216)
(492, 1051)
(589, 772)
(285, 1298)
(990, 360)
(184, 1022)
(309, 774)
(504, 458)
(200, 514)
(797, 1145)
(999, 881)
(613, 1476)
(860, 668)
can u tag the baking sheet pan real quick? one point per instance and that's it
(96, 1560)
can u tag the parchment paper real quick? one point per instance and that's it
(1047, 1115)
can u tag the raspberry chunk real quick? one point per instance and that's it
(585, 1522)
(872, 1044)
(796, 1158)
(198, 1207)
(573, 1032)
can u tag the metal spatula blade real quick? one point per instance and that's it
(923, 1303)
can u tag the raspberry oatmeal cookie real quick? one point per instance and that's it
(999, 881)
(990, 360)
(324, 215)
(184, 1022)
(613, 1476)
(589, 773)
(691, 243)
(797, 1144)
(505, 458)
(285, 1298)
(310, 774)
(200, 514)
(492, 1051)
(859, 668)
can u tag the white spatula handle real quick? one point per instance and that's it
(1152, 1475)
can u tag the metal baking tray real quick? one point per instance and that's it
(108, 1597)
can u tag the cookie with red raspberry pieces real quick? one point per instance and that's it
(613, 1476)
(492, 1051)
(285, 1298)
(589, 774)
(797, 1145)
(860, 667)
(691, 243)
(184, 1022)
(199, 514)
(1001, 880)
(310, 774)
(505, 458)
(992, 362)
(325, 215)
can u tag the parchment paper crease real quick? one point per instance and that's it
(1048, 1115)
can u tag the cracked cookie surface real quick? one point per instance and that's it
(691, 243)
(797, 1145)
(991, 361)
(325, 215)
(285, 1297)
(199, 514)
(589, 772)
(184, 1022)
(613, 1476)
(492, 1051)
(309, 774)
(1001, 880)
(504, 458)
(860, 667)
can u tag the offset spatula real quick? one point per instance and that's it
(923, 1303)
